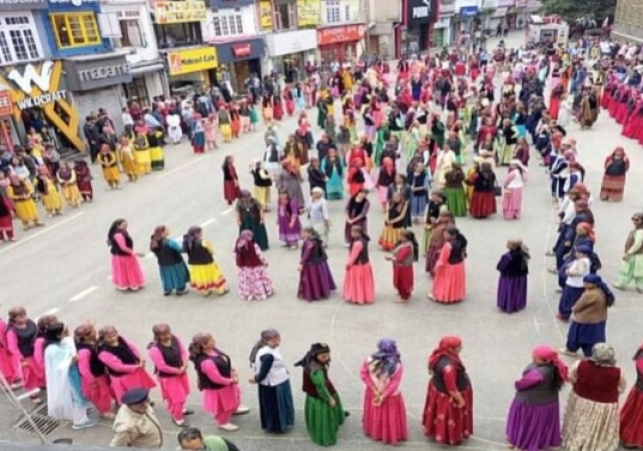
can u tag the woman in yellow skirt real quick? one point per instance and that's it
(155, 139)
(108, 162)
(205, 274)
(20, 194)
(262, 182)
(225, 124)
(49, 194)
(125, 154)
(395, 222)
(142, 154)
(469, 187)
(69, 185)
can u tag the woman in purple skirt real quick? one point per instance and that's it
(533, 422)
(288, 220)
(315, 279)
(512, 285)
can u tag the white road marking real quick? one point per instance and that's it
(208, 222)
(227, 211)
(39, 233)
(26, 395)
(537, 325)
(179, 168)
(84, 293)
(149, 255)
(52, 311)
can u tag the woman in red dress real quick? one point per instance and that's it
(235, 118)
(290, 100)
(231, 190)
(633, 121)
(278, 107)
(449, 281)
(483, 200)
(554, 101)
(631, 418)
(448, 411)
(406, 253)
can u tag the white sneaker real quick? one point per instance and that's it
(85, 425)
(241, 410)
(229, 427)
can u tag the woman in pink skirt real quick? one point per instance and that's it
(123, 363)
(218, 381)
(8, 364)
(126, 269)
(359, 285)
(384, 418)
(449, 282)
(512, 193)
(170, 360)
(39, 343)
(21, 336)
(94, 381)
(210, 128)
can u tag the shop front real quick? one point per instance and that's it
(506, 7)
(191, 70)
(420, 17)
(340, 44)
(467, 20)
(7, 130)
(288, 52)
(40, 99)
(441, 33)
(96, 81)
(239, 59)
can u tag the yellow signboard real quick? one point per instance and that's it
(265, 14)
(193, 60)
(309, 13)
(179, 11)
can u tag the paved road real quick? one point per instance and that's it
(64, 268)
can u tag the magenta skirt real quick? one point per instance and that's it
(127, 273)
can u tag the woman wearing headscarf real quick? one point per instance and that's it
(231, 189)
(631, 417)
(483, 200)
(359, 285)
(591, 422)
(589, 316)
(65, 400)
(631, 270)
(94, 380)
(250, 216)
(533, 422)
(20, 194)
(384, 417)
(126, 269)
(356, 214)
(170, 358)
(385, 178)
(205, 274)
(512, 192)
(253, 281)
(217, 380)
(448, 411)
(262, 182)
(395, 222)
(574, 272)
(174, 272)
(276, 407)
(456, 197)
(512, 285)
(404, 255)
(449, 281)
(289, 180)
(333, 167)
(315, 279)
(616, 166)
(437, 239)
(323, 410)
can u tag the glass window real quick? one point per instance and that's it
(75, 29)
(178, 34)
(228, 22)
(347, 13)
(130, 33)
(18, 39)
(137, 91)
(284, 16)
(333, 11)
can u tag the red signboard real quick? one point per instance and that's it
(335, 35)
(242, 50)
(6, 104)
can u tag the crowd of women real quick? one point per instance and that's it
(412, 156)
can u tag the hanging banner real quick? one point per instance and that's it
(309, 13)
(265, 15)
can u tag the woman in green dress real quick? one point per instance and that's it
(322, 112)
(454, 191)
(250, 217)
(381, 139)
(324, 412)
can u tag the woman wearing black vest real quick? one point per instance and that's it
(631, 421)
(123, 363)
(359, 285)
(126, 269)
(174, 273)
(217, 380)
(170, 360)
(205, 274)
(448, 411)
(94, 381)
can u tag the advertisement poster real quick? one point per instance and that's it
(265, 15)
(309, 13)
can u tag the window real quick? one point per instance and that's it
(75, 29)
(131, 33)
(285, 16)
(137, 91)
(228, 22)
(348, 17)
(333, 11)
(18, 39)
(178, 34)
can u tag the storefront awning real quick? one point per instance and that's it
(500, 12)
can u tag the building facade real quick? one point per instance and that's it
(386, 20)
(419, 19)
(628, 21)
(340, 36)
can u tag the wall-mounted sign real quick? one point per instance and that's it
(336, 35)
(72, 2)
(193, 60)
(242, 50)
(308, 13)
(22, 5)
(468, 11)
(229, 3)
(265, 15)
(85, 75)
(179, 12)
(38, 86)
(421, 12)
(6, 104)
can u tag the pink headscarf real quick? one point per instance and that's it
(548, 354)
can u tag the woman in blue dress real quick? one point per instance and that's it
(174, 272)
(300, 99)
(334, 169)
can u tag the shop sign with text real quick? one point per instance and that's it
(96, 74)
(421, 12)
(39, 86)
(242, 50)
(179, 12)
(336, 35)
(76, 3)
(194, 60)
(308, 13)
(22, 5)
(6, 104)
(265, 15)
